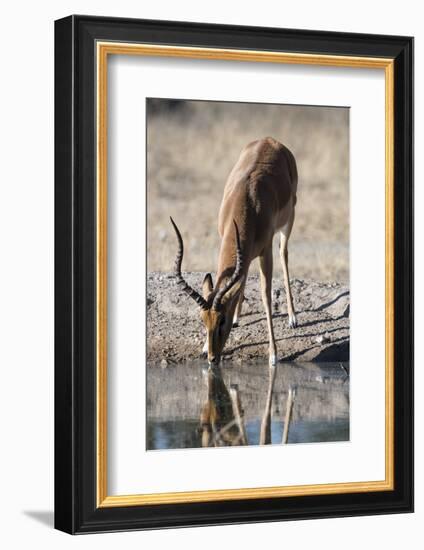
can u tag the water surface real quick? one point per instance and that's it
(190, 405)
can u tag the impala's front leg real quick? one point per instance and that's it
(204, 353)
(239, 305)
(265, 264)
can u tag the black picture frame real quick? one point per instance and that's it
(76, 510)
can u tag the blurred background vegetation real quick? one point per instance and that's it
(191, 148)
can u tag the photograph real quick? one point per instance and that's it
(247, 255)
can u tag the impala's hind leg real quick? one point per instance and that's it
(239, 305)
(284, 254)
(265, 265)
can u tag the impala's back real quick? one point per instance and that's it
(260, 193)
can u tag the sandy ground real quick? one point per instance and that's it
(191, 148)
(175, 332)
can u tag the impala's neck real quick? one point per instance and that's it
(227, 254)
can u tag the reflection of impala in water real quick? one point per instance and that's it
(218, 418)
(221, 417)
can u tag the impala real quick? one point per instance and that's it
(219, 423)
(221, 417)
(259, 200)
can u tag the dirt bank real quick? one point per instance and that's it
(175, 332)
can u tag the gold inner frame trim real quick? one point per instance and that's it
(120, 48)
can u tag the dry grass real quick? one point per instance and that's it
(191, 150)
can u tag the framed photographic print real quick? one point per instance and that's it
(233, 266)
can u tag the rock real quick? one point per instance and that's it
(164, 363)
(338, 304)
(322, 338)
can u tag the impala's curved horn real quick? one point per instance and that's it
(236, 276)
(200, 301)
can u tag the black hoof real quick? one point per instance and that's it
(235, 325)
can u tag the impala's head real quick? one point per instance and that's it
(217, 417)
(218, 319)
(216, 304)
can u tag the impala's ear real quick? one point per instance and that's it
(207, 286)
